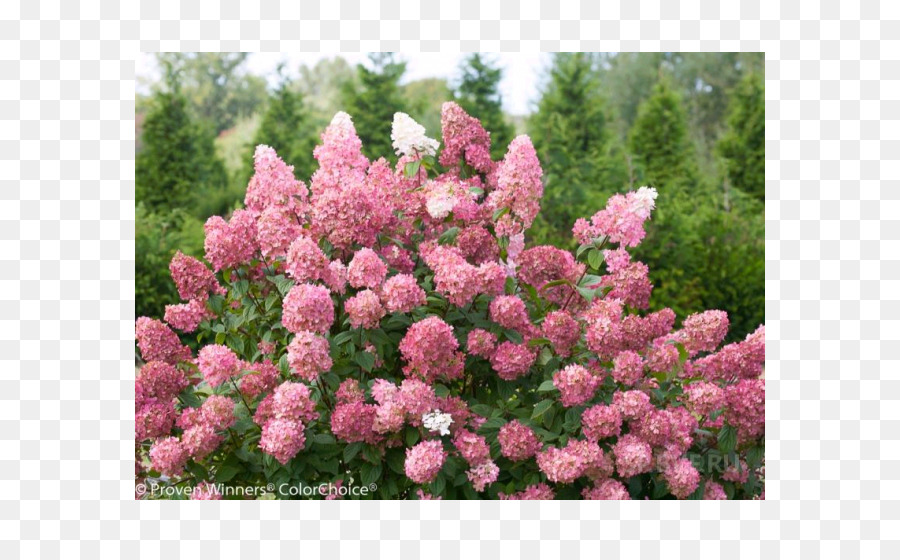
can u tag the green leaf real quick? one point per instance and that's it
(541, 407)
(324, 439)
(369, 473)
(555, 283)
(449, 236)
(220, 338)
(587, 293)
(226, 473)
(595, 259)
(546, 386)
(510, 285)
(476, 191)
(366, 360)
(727, 439)
(412, 168)
(412, 436)
(500, 212)
(352, 450)
(538, 341)
(582, 249)
(492, 424)
(437, 487)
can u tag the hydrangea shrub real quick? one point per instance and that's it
(386, 326)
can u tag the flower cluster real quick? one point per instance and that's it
(388, 324)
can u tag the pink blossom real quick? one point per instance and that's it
(276, 229)
(417, 398)
(541, 265)
(354, 421)
(714, 491)
(682, 478)
(519, 188)
(217, 411)
(153, 418)
(560, 465)
(309, 355)
(702, 332)
(464, 139)
(336, 277)
(261, 378)
(389, 417)
(265, 348)
(206, 491)
(477, 245)
(186, 317)
(168, 456)
(628, 368)
(744, 359)
(398, 259)
(562, 331)
(473, 448)
(366, 269)
(633, 456)
(273, 184)
(424, 461)
(631, 284)
(745, 408)
(230, 244)
(622, 221)
(481, 342)
(158, 342)
(534, 492)
(159, 380)
(482, 475)
(576, 384)
(218, 364)
(192, 278)
(200, 440)
(401, 293)
(608, 489)
(364, 310)
(631, 404)
(737, 472)
(290, 400)
(517, 441)
(349, 391)
(702, 398)
(431, 351)
(509, 312)
(305, 261)
(282, 438)
(511, 360)
(595, 464)
(601, 421)
(308, 308)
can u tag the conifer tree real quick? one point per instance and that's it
(374, 100)
(478, 93)
(744, 145)
(287, 128)
(583, 164)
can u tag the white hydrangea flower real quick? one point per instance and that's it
(440, 204)
(437, 421)
(341, 120)
(643, 201)
(409, 137)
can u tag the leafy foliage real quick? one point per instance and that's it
(478, 93)
(374, 102)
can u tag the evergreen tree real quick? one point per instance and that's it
(374, 101)
(744, 145)
(177, 158)
(582, 163)
(286, 127)
(478, 93)
(659, 140)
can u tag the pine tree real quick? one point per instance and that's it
(744, 145)
(659, 140)
(286, 127)
(374, 101)
(478, 93)
(177, 158)
(582, 163)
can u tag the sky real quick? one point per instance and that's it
(519, 88)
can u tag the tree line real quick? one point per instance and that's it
(690, 124)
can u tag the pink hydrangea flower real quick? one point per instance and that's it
(261, 378)
(401, 293)
(336, 277)
(481, 342)
(562, 331)
(576, 384)
(217, 411)
(309, 355)
(464, 139)
(200, 440)
(186, 317)
(714, 491)
(349, 391)
(153, 418)
(305, 262)
(632, 404)
(541, 265)
(519, 188)
(633, 456)
(431, 351)
(364, 310)
(622, 221)
(703, 398)
(631, 284)
(230, 244)
(308, 308)
(265, 348)
(389, 417)
(628, 368)
(276, 229)
(560, 465)
(290, 400)
(517, 441)
(366, 269)
(472, 447)
(534, 492)
(159, 380)
(158, 342)
(192, 278)
(744, 359)
(273, 184)
(477, 245)
(218, 364)
(417, 398)
(510, 313)
(424, 461)
(745, 408)
(682, 477)
(601, 421)
(482, 475)
(355, 421)
(168, 456)
(282, 438)
(511, 360)
(703, 332)
(608, 489)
